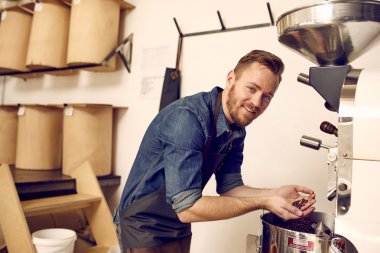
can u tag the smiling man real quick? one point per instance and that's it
(190, 140)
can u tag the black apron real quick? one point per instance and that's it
(172, 81)
(151, 221)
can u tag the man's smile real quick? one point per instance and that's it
(251, 110)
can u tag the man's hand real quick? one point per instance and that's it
(286, 201)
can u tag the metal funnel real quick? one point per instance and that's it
(333, 32)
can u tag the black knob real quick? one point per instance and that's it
(329, 128)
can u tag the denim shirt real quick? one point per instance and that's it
(170, 154)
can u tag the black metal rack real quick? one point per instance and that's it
(223, 27)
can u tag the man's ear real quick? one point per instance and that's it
(230, 79)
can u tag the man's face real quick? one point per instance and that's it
(250, 94)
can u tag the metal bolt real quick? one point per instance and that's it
(331, 157)
(342, 187)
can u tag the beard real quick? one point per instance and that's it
(233, 109)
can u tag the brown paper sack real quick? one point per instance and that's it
(8, 134)
(93, 32)
(14, 37)
(49, 35)
(87, 136)
(2, 241)
(39, 137)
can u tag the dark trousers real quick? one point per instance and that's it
(179, 246)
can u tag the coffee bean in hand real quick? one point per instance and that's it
(299, 203)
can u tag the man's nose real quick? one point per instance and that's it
(256, 99)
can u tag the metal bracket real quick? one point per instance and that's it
(22, 4)
(119, 50)
(68, 3)
(19, 4)
(345, 141)
(253, 243)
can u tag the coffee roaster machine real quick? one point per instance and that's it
(332, 34)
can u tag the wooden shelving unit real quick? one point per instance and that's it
(32, 184)
(89, 197)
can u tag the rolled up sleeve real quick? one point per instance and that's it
(185, 199)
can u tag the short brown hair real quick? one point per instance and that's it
(271, 61)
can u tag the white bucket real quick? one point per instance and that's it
(54, 240)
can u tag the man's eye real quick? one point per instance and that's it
(251, 88)
(267, 98)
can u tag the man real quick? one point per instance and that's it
(189, 141)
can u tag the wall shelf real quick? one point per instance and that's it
(6, 4)
(117, 51)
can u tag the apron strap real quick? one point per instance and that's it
(214, 123)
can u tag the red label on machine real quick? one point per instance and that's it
(301, 244)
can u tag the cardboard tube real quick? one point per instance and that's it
(93, 33)
(14, 37)
(49, 35)
(8, 134)
(39, 138)
(87, 136)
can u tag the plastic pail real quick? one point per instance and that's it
(54, 240)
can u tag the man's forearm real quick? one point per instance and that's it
(247, 191)
(209, 208)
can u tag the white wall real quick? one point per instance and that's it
(273, 156)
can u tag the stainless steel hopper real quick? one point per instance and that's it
(332, 32)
